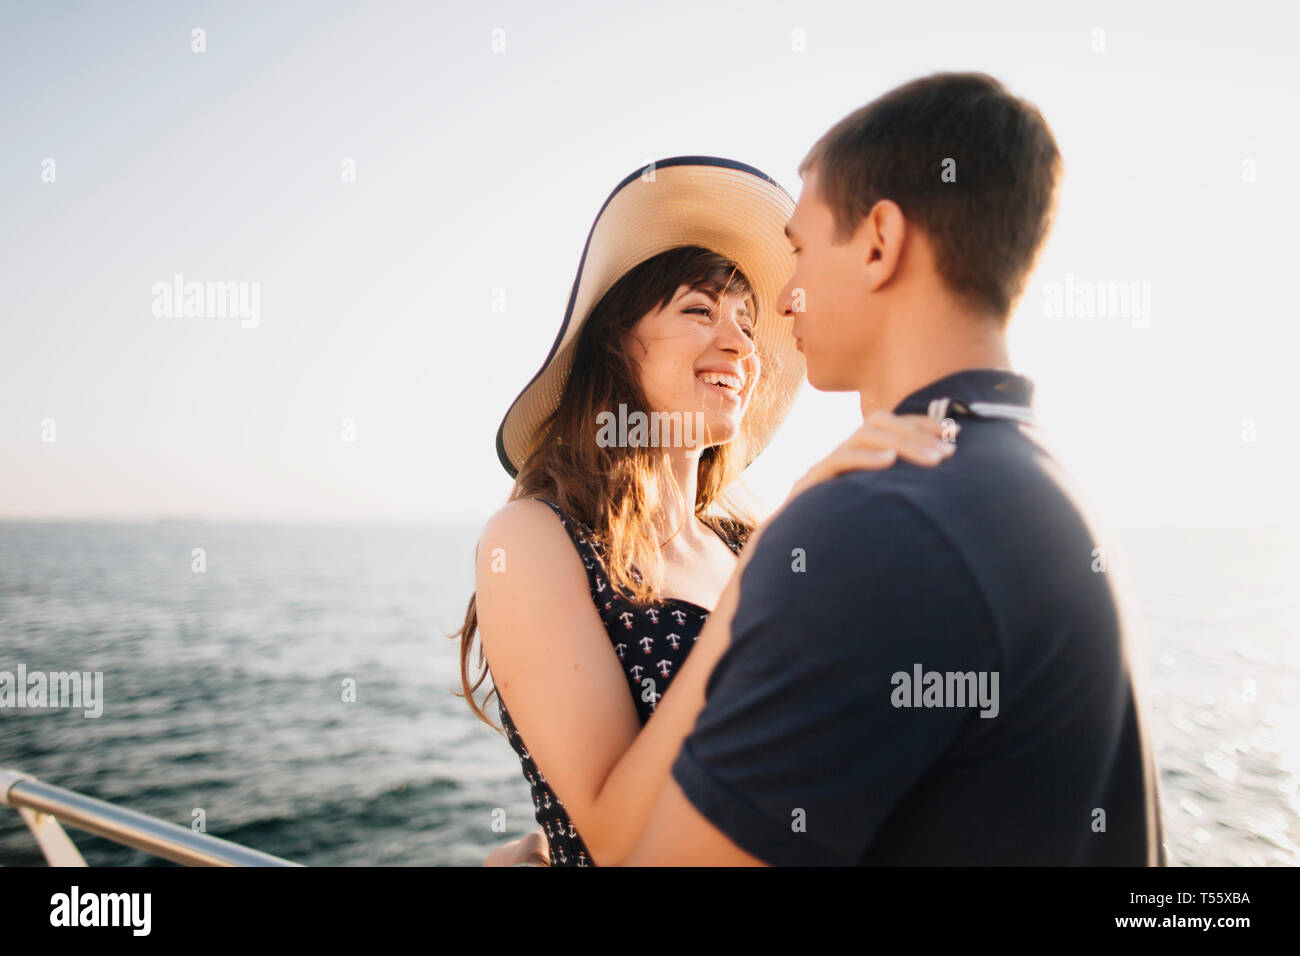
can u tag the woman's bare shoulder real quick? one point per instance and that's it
(526, 537)
(523, 515)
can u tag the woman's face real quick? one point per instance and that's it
(687, 346)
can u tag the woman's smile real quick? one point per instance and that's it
(729, 384)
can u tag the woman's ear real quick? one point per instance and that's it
(634, 346)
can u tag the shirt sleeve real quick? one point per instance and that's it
(809, 736)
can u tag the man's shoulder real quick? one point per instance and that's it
(1000, 502)
(855, 556)
(999, 469)
(854, 525)
(852, 504)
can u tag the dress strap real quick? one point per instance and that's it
(590, 550)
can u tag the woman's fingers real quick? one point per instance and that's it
(872, 459)
(904, 423)
(882, 439)
(504, 855)
(535, 850)
(916, 425)
(911, 424)
(914, 438)
(918, 448)
(529, 850)
(921, 447)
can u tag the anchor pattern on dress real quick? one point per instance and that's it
(650, 642)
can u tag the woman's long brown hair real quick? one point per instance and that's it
(616, 490)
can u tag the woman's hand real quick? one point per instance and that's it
(879, 442)
(529, 850)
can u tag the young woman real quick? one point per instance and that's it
(595, 583)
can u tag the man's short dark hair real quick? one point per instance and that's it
(975, 167)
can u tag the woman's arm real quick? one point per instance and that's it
(566, 692)
(626, 796)
(552, 663)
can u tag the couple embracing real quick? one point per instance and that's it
(913, 661)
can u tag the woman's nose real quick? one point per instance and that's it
(733, 338)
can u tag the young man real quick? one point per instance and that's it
(926, 665)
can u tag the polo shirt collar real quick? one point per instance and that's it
(972, 390)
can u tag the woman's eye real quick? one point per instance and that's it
(706, 311)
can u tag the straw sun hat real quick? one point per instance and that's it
(722, 205)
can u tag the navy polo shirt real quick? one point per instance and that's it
(931, 666)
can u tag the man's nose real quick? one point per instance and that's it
(785, 301)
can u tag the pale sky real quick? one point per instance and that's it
(479, 170)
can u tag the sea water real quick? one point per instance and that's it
(292, 690)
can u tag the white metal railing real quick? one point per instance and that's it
(43, 805)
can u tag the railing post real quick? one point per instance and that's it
(54, 842)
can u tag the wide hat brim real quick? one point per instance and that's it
(722, 205)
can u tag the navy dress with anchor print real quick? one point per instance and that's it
(651, 642)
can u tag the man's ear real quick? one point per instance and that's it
(880, 238)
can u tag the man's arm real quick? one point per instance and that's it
(679, 835)
(801, 752)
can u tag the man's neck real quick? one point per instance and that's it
(926, 352)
